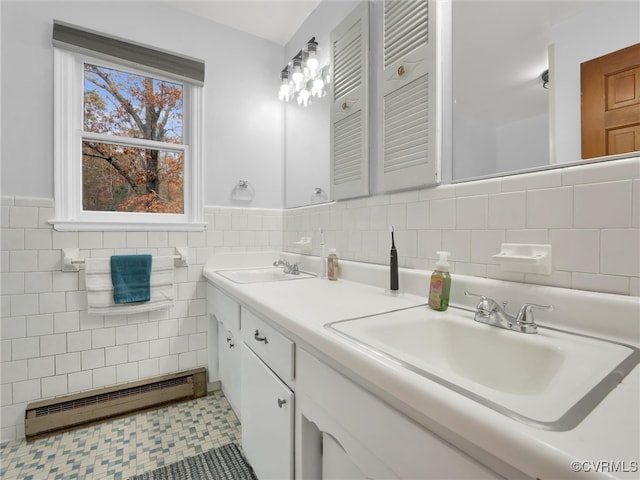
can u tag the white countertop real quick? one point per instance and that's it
(611, 433)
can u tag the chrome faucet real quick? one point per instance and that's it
(490, 312)
(293, 269)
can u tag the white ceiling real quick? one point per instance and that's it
(505, 85)
(274, 20)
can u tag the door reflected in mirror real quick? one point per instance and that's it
(504, 118)
(610, 89)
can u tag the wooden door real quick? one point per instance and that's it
(610, 89)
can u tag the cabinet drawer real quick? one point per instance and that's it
(224, 308)
(271, 346)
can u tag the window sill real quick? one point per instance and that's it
(84, 226)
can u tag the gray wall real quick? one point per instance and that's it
(244, 120)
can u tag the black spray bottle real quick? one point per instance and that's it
(393, 263)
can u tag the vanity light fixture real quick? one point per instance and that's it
(303, 78)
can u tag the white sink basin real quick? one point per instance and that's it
(551, 379)
(259, 275)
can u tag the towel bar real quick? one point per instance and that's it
(71, 259)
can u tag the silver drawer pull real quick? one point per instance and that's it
(258, 338)
(281, 403)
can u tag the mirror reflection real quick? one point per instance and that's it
(307, 130)
(504, 120)
(504, 117)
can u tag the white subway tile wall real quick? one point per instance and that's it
(50, 346)
(589, 213)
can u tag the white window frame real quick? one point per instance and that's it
(68, 135)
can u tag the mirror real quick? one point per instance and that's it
(500, 50)
(307, 133)
(503, 118)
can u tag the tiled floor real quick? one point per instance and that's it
(127, 446)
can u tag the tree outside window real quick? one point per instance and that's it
(132, 152)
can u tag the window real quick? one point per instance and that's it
(127, 140)
(132, 150)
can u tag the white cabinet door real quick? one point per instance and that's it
(267, 421)
(229, 367)
(350, 105)
(409, 101)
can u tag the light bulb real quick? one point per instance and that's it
(297, 76)
(312, 64)
(285, 86)
(311, 60)
(318, 87)
(303, 97)
(285, 91)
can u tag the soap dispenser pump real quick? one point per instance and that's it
(322, 272)
(440, 285)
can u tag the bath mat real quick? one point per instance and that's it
(222, 463)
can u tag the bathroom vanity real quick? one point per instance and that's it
(315, 404)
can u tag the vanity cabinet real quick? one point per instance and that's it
(227, 314)
(267, 399)
(336, 464)
(367, 438)
(229, 366)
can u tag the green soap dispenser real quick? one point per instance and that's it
(440, 284)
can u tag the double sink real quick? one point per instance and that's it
(261, 275)
(550, 380)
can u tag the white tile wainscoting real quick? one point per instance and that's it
(589, 213)
(50, 346)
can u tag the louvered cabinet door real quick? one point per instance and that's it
(408, 103)
(350, 106)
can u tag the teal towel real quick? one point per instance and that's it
(130, 276)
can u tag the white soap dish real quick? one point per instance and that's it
(525, 258)
(304, 245)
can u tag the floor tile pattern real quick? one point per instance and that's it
(124, 447)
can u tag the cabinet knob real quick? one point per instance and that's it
(281, 402)
(258, 338)
(401, 71)
(344, 105)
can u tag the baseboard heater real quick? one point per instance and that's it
(47, 417)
